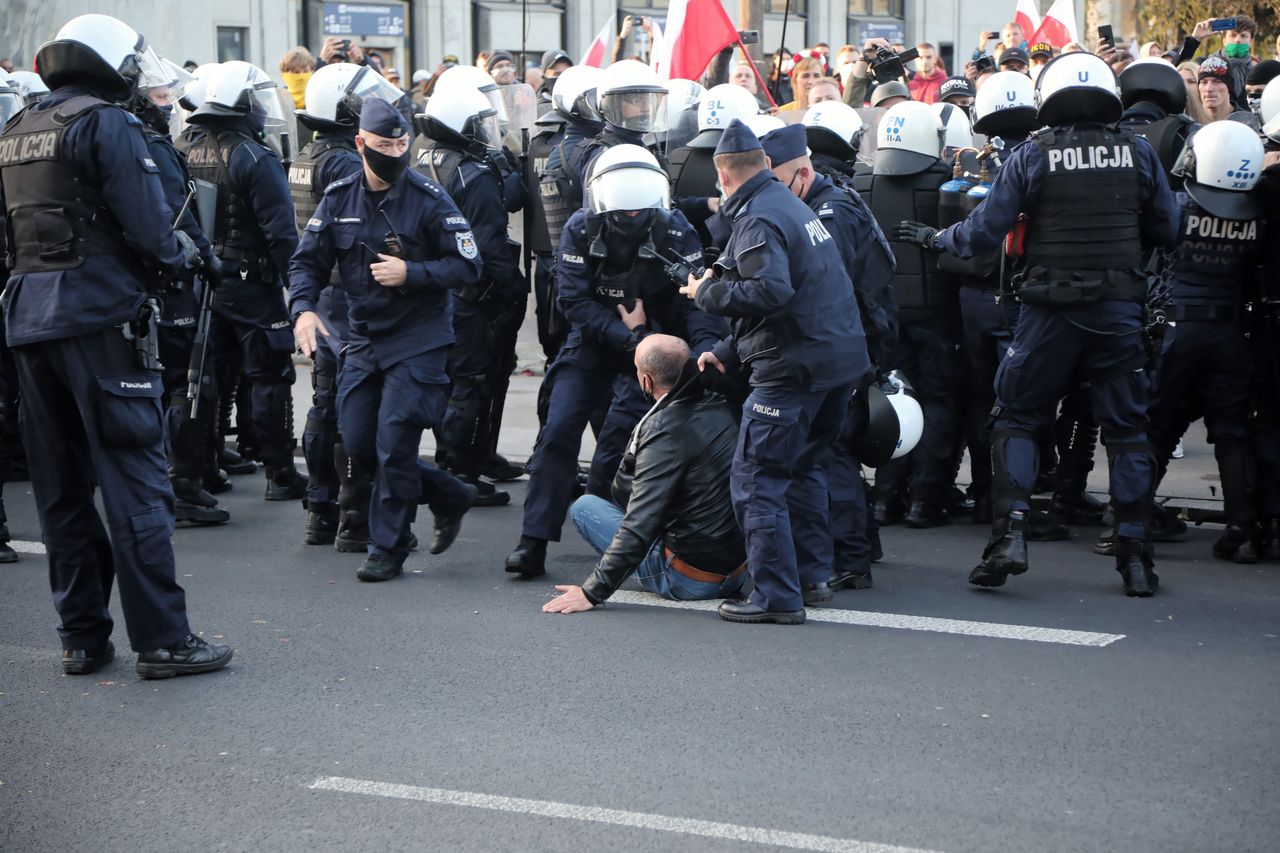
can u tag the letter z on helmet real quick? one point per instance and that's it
(1077, 87)
(627, 177)
(1222, 164)
(834, 128)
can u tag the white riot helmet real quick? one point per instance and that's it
(1006, 105)
(1076, 87)
(762, 124)
(469, 76)
(893, 427)
(957, 132)
(1269, 110)
(30, 84)
(684, 99)
(98, 49)
(11, 102)
(238, 88)
(1222, 164)
(834, 128)
(463, 117)
(721, 105)
(336, 93)
(573, 92)
(909, 139)
(631, 96)
(160, 73)
(193, 98)
(627, 177)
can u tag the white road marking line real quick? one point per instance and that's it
(616, 817)
(906, 623)
(23, 547)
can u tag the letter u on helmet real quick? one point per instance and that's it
(1006, 104)
(98, 50)
(1077, 87)
(627, 177)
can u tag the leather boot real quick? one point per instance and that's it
(1005, 554)
(1268, 546)
(194, 505)
(235, 464)
(286, 484)
(380, 567)
(924, 514)
(189, 657)
(1076, 506)
(322, 524)
(1236, 545)
(1136, 568)
(529, 559)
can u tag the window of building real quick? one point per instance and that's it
(233, 43)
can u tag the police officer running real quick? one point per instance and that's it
(795, 326)
(337, 494)
(254, 236)
(402, 247)
(75, 170)
(1094, 196)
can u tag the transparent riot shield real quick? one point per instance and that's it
(871, 117)
(520, 102)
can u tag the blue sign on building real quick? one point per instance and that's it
(364, 19)
(894, 32)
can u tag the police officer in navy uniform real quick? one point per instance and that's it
(869, 262)
(12, 454)
(613, 289)
(463, 135)
(1206, 367)
(795, 328)
(337, 494)
(190, 440)
(254, 237)
(1264, 338)
(1094, 196)
(1155, 103)
(402, 248)
(75, 170)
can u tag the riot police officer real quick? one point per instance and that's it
(904, 184)
(795, 327)
(693, 173)
(1206, 366)
(462, 131)
(869, 263)
(1094, 196)
(1155, 101)
(12, 454)
(254, 236)
(613, 289)
(401, 246)
(629, 98)
(74, 170)
(1264, 335)
(190, 439)
(337, 494)
(834, 131)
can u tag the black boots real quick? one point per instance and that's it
(529, 559)
(194, 505)
(285, 484)
(1005, 554)
(322, 524)
(925, 514)
(1076, 507)
(1237, 545)
(1136, 568)
(87, 661)
(189, 657)
(380, 567)
(448, 525)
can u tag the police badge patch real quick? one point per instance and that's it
(467, 245)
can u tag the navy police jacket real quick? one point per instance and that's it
(351, 226)
(107, 150)
(180, 303)
(782, 282)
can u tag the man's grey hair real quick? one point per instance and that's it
(665, 361)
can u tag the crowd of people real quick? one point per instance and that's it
(753, 300)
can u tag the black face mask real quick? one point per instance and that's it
(386, 167)
(629, 226)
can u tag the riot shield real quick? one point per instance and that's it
(871, 117)
(521, 104)
(282, 130)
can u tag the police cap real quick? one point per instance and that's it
(738, 138)
(785, 143)
(380, 118)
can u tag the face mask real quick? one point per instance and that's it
(1235, 51)
(386, 167)
(1255, 105)
(629, 226)
(167, 112)
(648, 394)
(845, 69)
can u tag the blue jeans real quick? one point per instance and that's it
(598, 520)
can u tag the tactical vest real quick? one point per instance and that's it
(1083, 240)
(560, 195)
(1168, 137)
(622, 288)
(55, 218)
(537, 235)
(841, 172)
(303, 189)
(441, 164)
(237, 239)
(922, 288)
(693, 173)
(1215, 260)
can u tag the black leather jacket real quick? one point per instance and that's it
(673, 485)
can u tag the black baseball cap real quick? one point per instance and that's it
(1014, 54)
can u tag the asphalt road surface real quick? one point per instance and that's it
(444, 711)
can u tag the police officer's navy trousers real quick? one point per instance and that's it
(91, 417)
(472, 362)
(266, 358)
(190, 441)
(320, 432)
(1265, 345)
(988, 332)
(853, 526)
(576, 392)
(1103, 343)
(779, 489)
(382, 412)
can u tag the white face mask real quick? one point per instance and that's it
(844, 69)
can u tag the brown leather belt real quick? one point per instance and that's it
(698, 574)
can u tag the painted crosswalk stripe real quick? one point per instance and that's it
(615, 817)
(904, 622)
(23, 547)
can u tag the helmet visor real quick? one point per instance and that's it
(639, 111)
(628, 186)
(10, 103)
(370, 84)
(488, 129)
(264, 101)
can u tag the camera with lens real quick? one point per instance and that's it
(885, 65)
(984, 64)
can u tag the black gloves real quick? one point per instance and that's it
(916, 232)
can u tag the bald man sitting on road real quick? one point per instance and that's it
(675, 528)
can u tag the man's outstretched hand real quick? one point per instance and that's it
(571, 600)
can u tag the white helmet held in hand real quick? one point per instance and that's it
(909, 139)
(1076, 87)
(834, 128)
(631, 96)
(1006, 104)
(719, 106)
(1222, 164)
(93, 47)
(627, 177)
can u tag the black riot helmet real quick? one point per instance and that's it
(1156, 81)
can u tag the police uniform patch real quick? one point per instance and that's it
(467, 245)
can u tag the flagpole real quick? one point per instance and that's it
(764, 86)
(777, 57)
